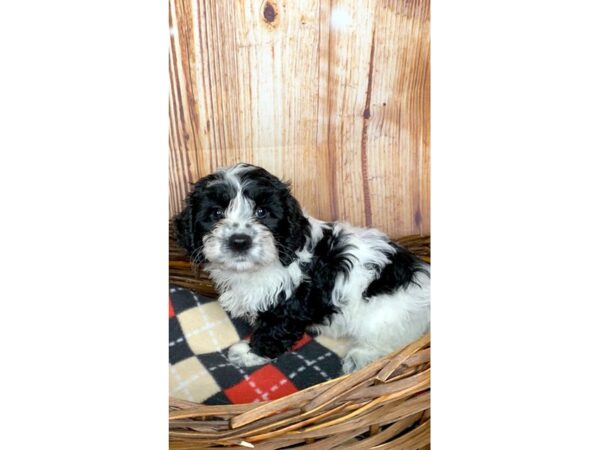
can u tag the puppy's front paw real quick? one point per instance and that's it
(348, 365)
(357, 358)
(241, 355)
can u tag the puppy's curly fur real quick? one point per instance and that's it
(287, 272)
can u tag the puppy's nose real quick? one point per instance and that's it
(240, 242)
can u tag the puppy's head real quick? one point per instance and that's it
(241, 219)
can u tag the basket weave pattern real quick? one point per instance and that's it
(385, 405)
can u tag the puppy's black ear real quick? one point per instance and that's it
(297, 232)
(187, 228)
(184, 228)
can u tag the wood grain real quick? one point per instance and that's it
(332, 95)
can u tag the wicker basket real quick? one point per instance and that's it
(385, 405)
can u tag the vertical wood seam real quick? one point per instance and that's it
(330, 154)
(363, 144)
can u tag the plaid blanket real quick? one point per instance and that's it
(200, 332)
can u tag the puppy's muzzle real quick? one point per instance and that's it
(239, 243)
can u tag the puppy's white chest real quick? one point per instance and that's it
(241, 304)
(246, 294)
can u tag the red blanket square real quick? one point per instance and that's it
(267, 383)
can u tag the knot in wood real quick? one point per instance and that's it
(269, 12)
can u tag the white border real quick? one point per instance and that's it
(84, 183)
(515, 224)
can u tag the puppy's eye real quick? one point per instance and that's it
(218, 213)
(260, 212)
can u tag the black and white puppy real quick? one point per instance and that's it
(287, 272)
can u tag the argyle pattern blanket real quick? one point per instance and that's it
(200, 332)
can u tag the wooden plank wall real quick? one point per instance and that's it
(330, 94)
